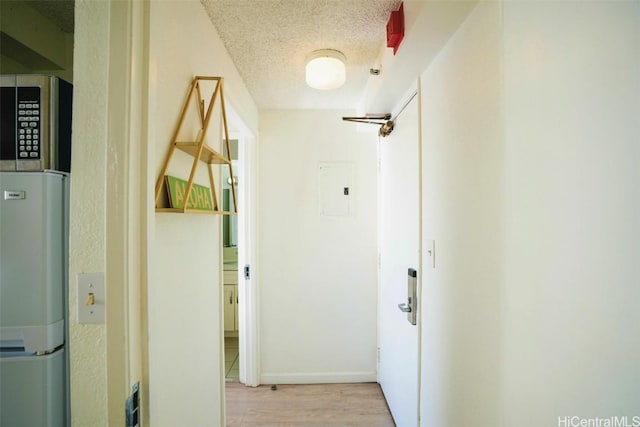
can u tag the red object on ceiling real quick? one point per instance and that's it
(395, 28)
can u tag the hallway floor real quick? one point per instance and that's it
(307, 405)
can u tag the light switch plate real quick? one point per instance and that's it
(91, 298)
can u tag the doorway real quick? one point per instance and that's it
(231, 280)
(240, 348)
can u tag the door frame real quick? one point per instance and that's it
(248, 324)
(248, 330)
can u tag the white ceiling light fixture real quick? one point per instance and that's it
(325, 69)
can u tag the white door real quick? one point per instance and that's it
(399, 210)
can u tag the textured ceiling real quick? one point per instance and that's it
(269, 40)
(59, 12)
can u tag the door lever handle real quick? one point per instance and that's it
(404, 308)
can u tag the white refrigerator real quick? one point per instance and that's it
(34, 225)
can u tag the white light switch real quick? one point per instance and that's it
(431, 251)
(91, 298)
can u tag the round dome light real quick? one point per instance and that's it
(325, 69)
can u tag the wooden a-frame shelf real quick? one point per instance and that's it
(201, 153)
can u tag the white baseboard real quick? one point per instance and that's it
(319, 378)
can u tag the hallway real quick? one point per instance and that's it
(323, 405)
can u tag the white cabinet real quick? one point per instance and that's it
(230, 277)
(230, 300)
(230, 308)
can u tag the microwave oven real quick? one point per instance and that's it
(35, 132)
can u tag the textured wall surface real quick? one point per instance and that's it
(87, 229)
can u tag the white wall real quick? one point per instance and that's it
(317, 275)
(572, 168)
(462, 204)
(185, 341)
(531, 164)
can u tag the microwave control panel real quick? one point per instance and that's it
(35, 116)
(28, 123)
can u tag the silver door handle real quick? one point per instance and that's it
(411, 307)
(404, 308)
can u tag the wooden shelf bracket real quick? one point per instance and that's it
(201, 152)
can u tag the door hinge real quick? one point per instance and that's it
(247, 272)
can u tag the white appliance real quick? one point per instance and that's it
(34, 224)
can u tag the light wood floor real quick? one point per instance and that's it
(319, 405)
